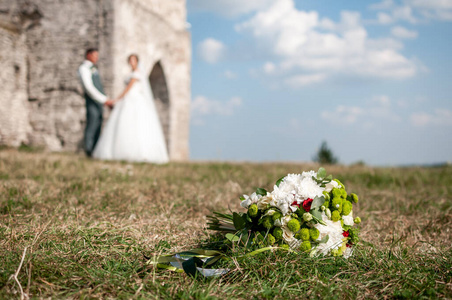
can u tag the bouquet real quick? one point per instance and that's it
(308, 212)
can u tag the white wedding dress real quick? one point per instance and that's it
(133, 131)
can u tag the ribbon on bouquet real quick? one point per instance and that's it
(195, 262)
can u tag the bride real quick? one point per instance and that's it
(133, 131)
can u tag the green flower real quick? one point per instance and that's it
(337, 204)
(353, 198)
(307, 217)
(267, 222)
(335, 216)
(314, 233)
(293, 225)
(346, 207)
(270, 239)
(326, 203)
(357, 220)
(336, 192)
(340, 183)
(278, 233)
(253, 210)
(277, 215)
(305, 246)
(336, 252)
(326, 195)
(303, 234)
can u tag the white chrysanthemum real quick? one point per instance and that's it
(348, 219)
(308, 188)
(334, 231)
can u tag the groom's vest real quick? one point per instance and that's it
(97, 83)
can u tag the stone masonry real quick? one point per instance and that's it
(42, 43)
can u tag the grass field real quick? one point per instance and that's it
(87, 224)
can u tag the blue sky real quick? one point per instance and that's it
(272, 79)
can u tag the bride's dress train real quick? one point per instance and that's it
(133, 131)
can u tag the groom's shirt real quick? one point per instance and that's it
(86, 72)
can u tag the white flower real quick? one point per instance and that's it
(264, 201)
(348, 219)
(330, 185)
(254, 198)
(348, 252)
(288, 235)
(270, 212)
(334, 231)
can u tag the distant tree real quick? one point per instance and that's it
(325, 155)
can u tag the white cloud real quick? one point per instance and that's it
(228, 8)
(312, 49)
(440, 117)
(384, 18)
(202, 106)
(304, 80)
(378, 109)
(269, 68)
(211, 50)
(230, 75)
(413, 10)
(403, 33)
(385, 4)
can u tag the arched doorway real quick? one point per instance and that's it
(161, 98)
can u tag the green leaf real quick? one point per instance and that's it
(318, 201)
(316, 213)
(239, 222)
(261, 192)
(329, 177)
(325, 239)
(190, 265)
(279, 181)
(232, 237)
(321, 173)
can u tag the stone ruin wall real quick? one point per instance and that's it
(43, 43)
(165, 60)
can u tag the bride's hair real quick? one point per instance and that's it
(133, 55)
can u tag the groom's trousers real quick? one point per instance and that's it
(94, 120)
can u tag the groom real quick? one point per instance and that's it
(95, 99)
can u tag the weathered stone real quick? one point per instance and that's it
(43, 43)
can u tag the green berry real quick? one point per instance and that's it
(278, 233)
(314, 233)
(253, 210)
(305, 246)
(270, 239)
(293, 225)
(267, 222)
(346, 207)
(335, 216)
(357, 220)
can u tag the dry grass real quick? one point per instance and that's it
(87, 225)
